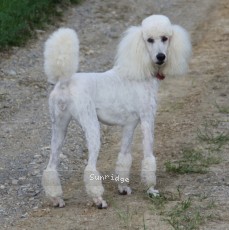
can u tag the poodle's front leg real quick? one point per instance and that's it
(148, 173)
(124, 161)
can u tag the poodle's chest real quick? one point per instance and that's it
(117, 110)
(118, 103)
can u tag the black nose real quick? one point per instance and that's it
(160, 57)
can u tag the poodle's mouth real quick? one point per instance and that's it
(160, 63)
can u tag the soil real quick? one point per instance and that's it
(188, 106)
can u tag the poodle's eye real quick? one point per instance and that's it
(164, 39)
(150, 40)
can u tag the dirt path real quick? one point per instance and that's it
(193, 115)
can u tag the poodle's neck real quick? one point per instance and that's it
(158, 73)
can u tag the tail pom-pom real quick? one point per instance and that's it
(61, 55)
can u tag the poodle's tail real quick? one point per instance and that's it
(61, 55)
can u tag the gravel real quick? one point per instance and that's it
(24, 119)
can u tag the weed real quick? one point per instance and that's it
(203, 197)
(125, 216)
(211, 204)
(144, 224)
(158, 201)
(179, 191)
(212, 138)
(184, 217)
(209, 137)
(222, 109)
(192, 161)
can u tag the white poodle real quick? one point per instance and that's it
(125, 95)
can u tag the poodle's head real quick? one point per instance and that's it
(157, 32)
(156, 48)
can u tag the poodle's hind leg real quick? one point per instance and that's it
(87, 118)
(124, 161)
(60, 119)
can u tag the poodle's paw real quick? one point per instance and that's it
(153, 192)
(58, 202)
(100, 203)
(124, 190)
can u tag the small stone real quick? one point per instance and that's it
(46, 210)
(35, 172)
(37, 192)
(24, 215)
(40, 31)
(113, 33)
(89, 52)
(45, 148)
(2, 187)
(14, 182)
(22, 178)
(39, 161)
(62, 156)
(35, 208)
(11, 72)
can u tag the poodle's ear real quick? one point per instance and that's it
(179, 52)
(132, 59)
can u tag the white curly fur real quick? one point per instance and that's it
(122, 169)
(53, 190)
(124, 95)
(52, 183)
(179, 52)
(148, 171)
(61, 55)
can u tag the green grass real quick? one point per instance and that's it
(183, 216)
(19, 18)
(210, 134)
(144, 224)
(192, 161)
(186, 213)
(158, 202)
(125, 216)
(222, 108)
(189, 214)
(216, 139)
(192, 212)
(212, 140)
